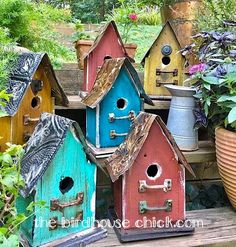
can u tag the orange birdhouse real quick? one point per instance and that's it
(163, 63)
(34, 89)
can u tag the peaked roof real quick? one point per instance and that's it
(21, 77)
(123, 158)
(162, 30)
(43, 145)
(106, 78)
(102, 33)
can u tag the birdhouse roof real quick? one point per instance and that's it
(21, 77)
(123, 158)
(102, 33)
(107, 76)
(154, 43)
(43, 145)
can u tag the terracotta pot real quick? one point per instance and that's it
(226, 161)
(131, 49)
(82, 47)
(182, 16)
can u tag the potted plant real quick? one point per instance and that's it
(83, 43)
(216, 81)
(127, 19)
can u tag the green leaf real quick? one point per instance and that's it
(7, 158)
(232, 115)
(211, 80)
(207, 86)
(227, 98)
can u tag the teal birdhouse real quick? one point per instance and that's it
(114, 101)
(58, 171)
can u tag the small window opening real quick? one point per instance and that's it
(66, 184)
(121, 103)
(107, 57)
(35, 102)
(166, 60)
(153, 171)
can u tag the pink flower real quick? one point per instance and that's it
(197, 68)
(133, 16)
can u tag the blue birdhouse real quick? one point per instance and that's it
(66, 183)
(114, 101)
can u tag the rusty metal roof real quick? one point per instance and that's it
(21, 77)
(123, 158)
(106, 78)
(163, 28)
(102, 33)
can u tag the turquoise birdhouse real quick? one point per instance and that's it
(59, 171)
(111, 106)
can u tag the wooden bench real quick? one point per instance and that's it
(219, 230)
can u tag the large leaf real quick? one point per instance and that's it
(232, 115)
(226, 98)
(211, 80)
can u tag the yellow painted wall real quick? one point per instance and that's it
(154, 61)
(16, 124)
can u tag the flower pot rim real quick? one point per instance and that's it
(84, 42)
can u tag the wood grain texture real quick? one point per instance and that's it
(5, 132)
(219, 230)
(153, 61)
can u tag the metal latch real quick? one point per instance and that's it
(113, 134)
(56, 205)
(28, 120)
(174, 72)
(143, 207)
(143, 186)
(36, 86)
(54, 223)
(159, 83)
(112, 117)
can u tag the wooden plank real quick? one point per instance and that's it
(219, 230)
(75, 103)
(205, 153)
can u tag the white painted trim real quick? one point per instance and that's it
(97, 126)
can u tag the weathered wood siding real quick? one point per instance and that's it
(156, 149)
(154, 61)
(108, 46)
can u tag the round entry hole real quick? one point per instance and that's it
(66, 184)
(153, 171)
(121, 103)
(166, 60)
(35, 102)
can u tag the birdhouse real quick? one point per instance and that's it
(34, 89)
(65, 183)
(149, 181)
(163, 63)
(108, 44)
(116, 98)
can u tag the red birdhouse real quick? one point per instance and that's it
(107, 45)
(148, 171)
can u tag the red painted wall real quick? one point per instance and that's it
(155, 150)
(108, 46)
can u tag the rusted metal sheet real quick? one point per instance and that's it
(106, 77)
(125, 156)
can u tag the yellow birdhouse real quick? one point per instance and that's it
(163, 63)
(34, 89)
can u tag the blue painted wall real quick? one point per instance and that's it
(122, 88)
(70, 161)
